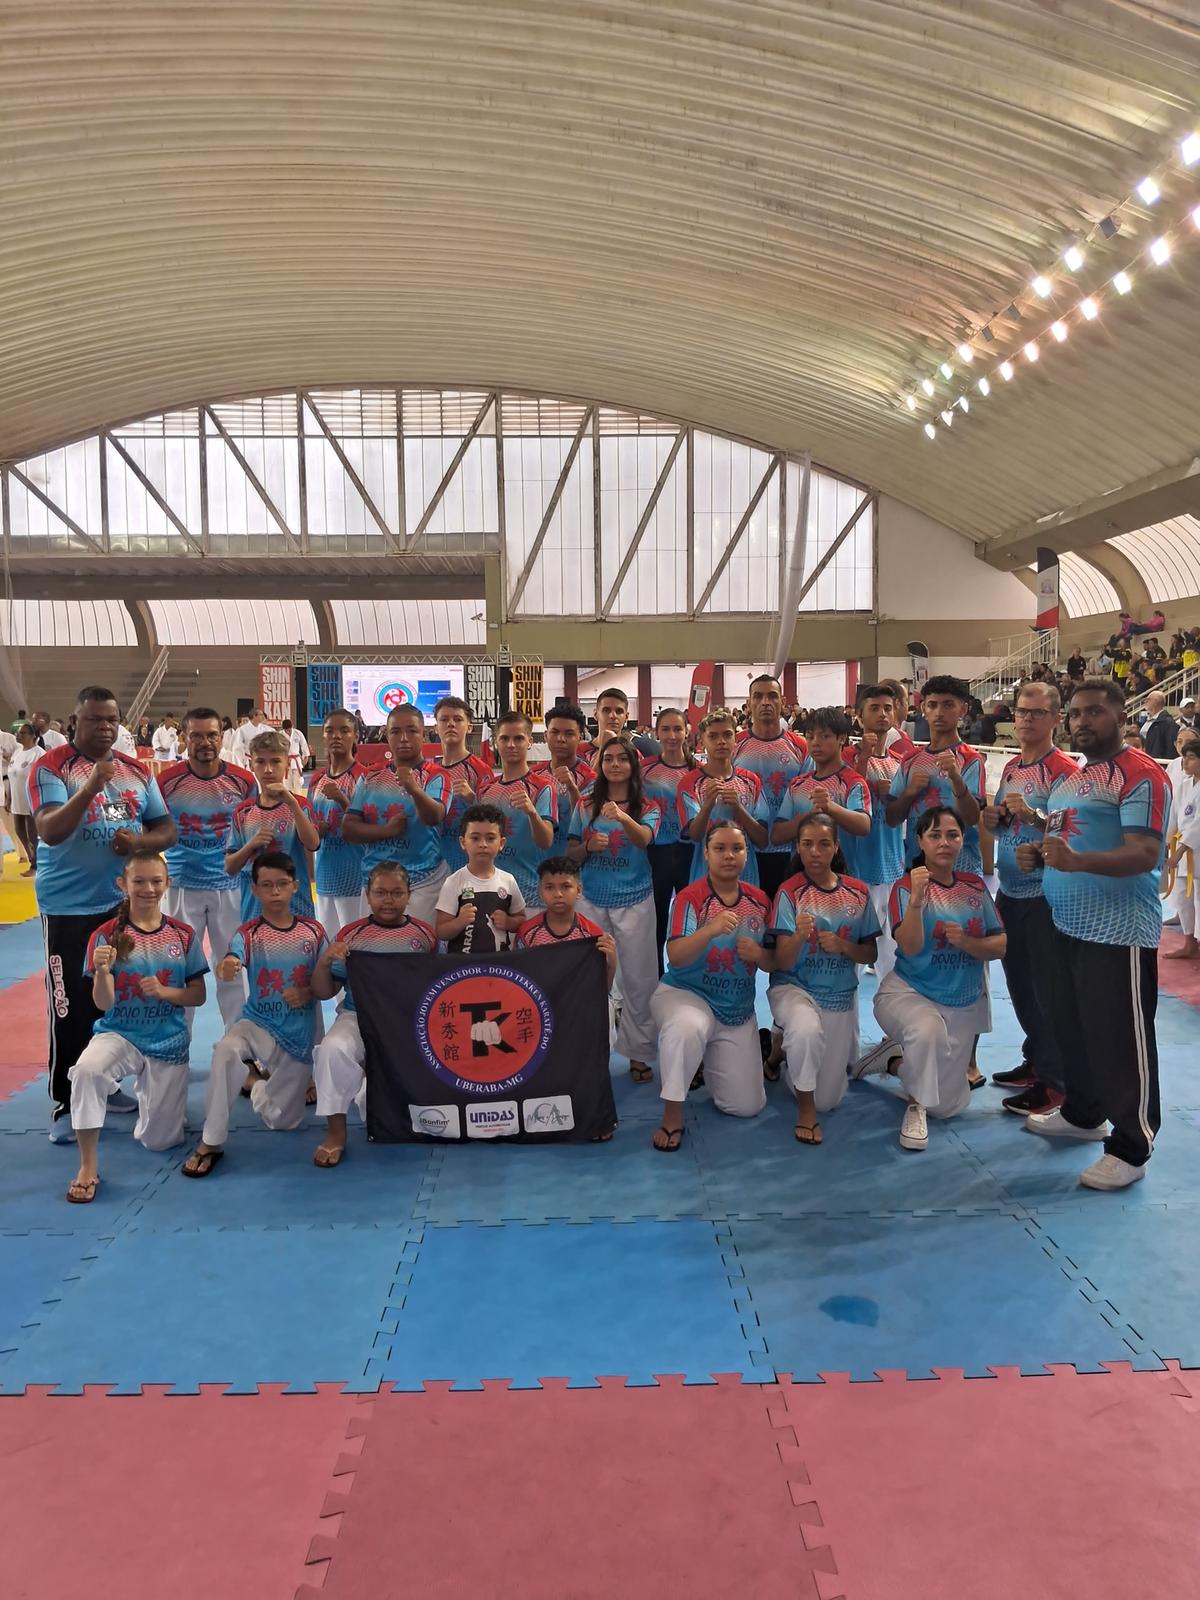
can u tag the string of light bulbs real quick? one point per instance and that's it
(1042, 288)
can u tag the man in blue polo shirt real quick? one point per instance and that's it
(1102, 855)
(91, 806)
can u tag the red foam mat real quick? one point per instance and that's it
(1068, 1485)
(574, 1494)
(23, 1036)
(156, 1495)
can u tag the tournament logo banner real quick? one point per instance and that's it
(510, 1046)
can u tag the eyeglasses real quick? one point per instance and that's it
(1030, 711)
(389, 894)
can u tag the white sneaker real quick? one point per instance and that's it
(1110, 1172)
(61, 1131)
(1053, 1125)
(876, 1059)
(914, 1130)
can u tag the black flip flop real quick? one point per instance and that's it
(211, 1156)
(671, 1133)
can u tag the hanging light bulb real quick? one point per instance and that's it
(1148, 191)
(927, 385)
(946, 370)
(1059, 330)
(965, 353)
(930, 431)
(1122, 282)
(1031, 351)
(1006, 371)
(948, 418)
(910, 401)
(1089, 309)
(1189, 150)
(1160, 251)
(1041, 287)
(963, 403)
(984, 387)
(1073, 257)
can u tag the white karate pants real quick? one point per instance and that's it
(279, 1099)
(216, 912)
(161, 1088)
(634, 931)
(338, 1068)
(881, 893)
(820, 1044)
(689, 1033)
(937, 1043)
(337, 911)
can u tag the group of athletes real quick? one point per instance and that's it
(694, 870)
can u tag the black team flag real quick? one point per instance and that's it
(507, 1046)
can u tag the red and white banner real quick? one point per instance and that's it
(1047, 589)
(275, 682)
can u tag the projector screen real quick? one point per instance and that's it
(374, 691)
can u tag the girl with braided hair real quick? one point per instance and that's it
(146, 968)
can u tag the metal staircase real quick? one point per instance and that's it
(1180, 686)
(138, 706)
(1014, 659)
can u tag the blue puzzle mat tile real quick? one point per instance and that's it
(1042, 1175)
(35, 1271)
(580, 1303)
(1144, 1266)
(34, 1175)
(625, 1178)
(754, 1167)
(22, 951)
(860, 1295)
(268, 1180)
(294, 1308)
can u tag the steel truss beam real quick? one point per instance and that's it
(551, 508)
(456, 461)
(736, 537)
(643, 522)
(256, 483)
(151, 489)
(349, 469)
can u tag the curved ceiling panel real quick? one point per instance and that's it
(765, 217)
(1167, 556)
(1086, 591)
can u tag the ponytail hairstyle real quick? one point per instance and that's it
(926, 822)
(634, 805)
(689, 759)
(123, 941)
(819, 819)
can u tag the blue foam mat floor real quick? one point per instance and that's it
(740, 1253)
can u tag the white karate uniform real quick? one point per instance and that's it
(161, 1088)
(690, 1033)
(336, 911)
(279, 1099)
(216, 912)
(885, 958)
(339, 1068)
(937, 1042)
(1185, 821)
(298, 754)
(634, 931)
(422, 902)
(819, 1044)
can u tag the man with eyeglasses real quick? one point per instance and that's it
(1016, 817)
(1102, 854)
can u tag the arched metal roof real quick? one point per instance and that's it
(769, 218)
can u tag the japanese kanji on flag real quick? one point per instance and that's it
(509, 1046)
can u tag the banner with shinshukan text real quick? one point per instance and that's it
(510, 1046)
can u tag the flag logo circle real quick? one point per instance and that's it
(391, 696)
(484, 1029)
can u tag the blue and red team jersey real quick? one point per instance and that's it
(277, 959)
(522, 855)
(1092, 808)
(899, 745)
(379, 796)
(339, 864)
(249, 817)
(879, 858)
(618, 875)
(203, 811)
(718, 974)
(947, 976)
(585, 777)
(410, 937)
(79, 876)
(776, 763)
(660, 783)
(1032, 783)
(691, 803)
(475, 771)
(938, 791)
(846, 910)
(174, 955)
(535, 931)
(844, 787)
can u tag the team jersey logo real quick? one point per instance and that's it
(484, 1030)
